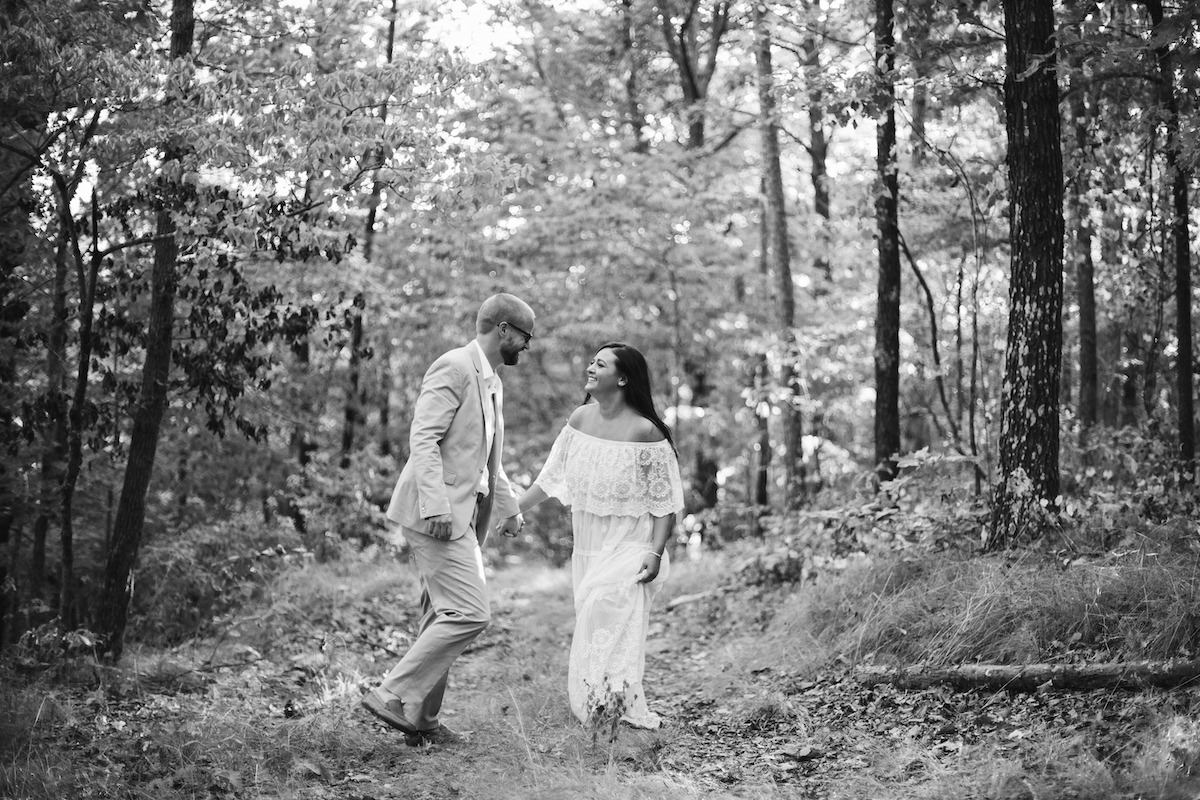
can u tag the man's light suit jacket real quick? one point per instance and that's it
(448, 451)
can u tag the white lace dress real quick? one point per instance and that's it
(614, 490)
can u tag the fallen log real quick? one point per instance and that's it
(1039, 677)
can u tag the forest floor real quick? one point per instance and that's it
(751, 707)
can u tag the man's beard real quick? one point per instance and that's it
(509, 356)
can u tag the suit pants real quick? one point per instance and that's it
(454, 602)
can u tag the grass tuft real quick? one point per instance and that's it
(948, 609)
(1167, 762)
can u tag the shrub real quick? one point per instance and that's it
(182, 584)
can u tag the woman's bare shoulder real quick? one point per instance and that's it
(580, 416)
(643, 430)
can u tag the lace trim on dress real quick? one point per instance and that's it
(608, 477)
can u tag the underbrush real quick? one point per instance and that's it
(162, 745)
(898, 576)
(899, 579)
(183, 583)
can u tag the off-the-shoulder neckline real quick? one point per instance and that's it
(578, 432)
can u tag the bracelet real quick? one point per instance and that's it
(656, 555)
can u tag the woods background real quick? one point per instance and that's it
(907, 275)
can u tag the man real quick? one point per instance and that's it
(451, 486)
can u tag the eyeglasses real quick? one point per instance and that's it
(524, 333)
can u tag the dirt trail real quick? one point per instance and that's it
(730, 722)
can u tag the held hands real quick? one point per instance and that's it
(651, 562)
(439, 527)
(512, 526)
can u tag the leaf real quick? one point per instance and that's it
(312, 769)
(800, 752)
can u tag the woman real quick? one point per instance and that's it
(615, 465)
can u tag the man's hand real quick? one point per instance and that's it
(512, 526)
(439, 527)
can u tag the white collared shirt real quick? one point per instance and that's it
(490, 383)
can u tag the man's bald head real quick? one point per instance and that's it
(503, 307)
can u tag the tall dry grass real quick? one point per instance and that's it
(948, 608)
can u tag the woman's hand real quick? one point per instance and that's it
(651, 562)
(512, 526)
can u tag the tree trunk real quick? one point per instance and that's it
(1085, 268)
(704, 487)
(1112, 343)
(695, 68)
(143, 444)
(16, 203)
(302, 443)
(1035, 677)
(377, 185)
(353, 410)
(775, 220)
(635, 117)
(760, 380)
(887, 310)
(761, 497)
(818, 150)
(152, 399)
(355, 401)
(1180, 178)
(55, 452)
(1029, 416)
(1153, 348)
(960, 393)
(87, 296)
(54, 441)
(385, 396)
(935, 352)
(18, 158)
(9, 599)
(916, 37)
(1130, 357)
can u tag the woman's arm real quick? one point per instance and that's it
(652, 561)
(530, 498)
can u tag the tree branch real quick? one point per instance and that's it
(937, 357)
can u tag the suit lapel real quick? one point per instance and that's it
(476, 361)
(484, 509)
(498, 433)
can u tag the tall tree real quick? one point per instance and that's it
(19, 125)
(1080, 213)
(779, 257)
(1180, 179)
(1029, 417)
(887, 198)
(152, 400)
(356, 395)
(86, 278)
(818, 142)
(67, 423)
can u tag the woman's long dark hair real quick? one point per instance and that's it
(632, 365)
